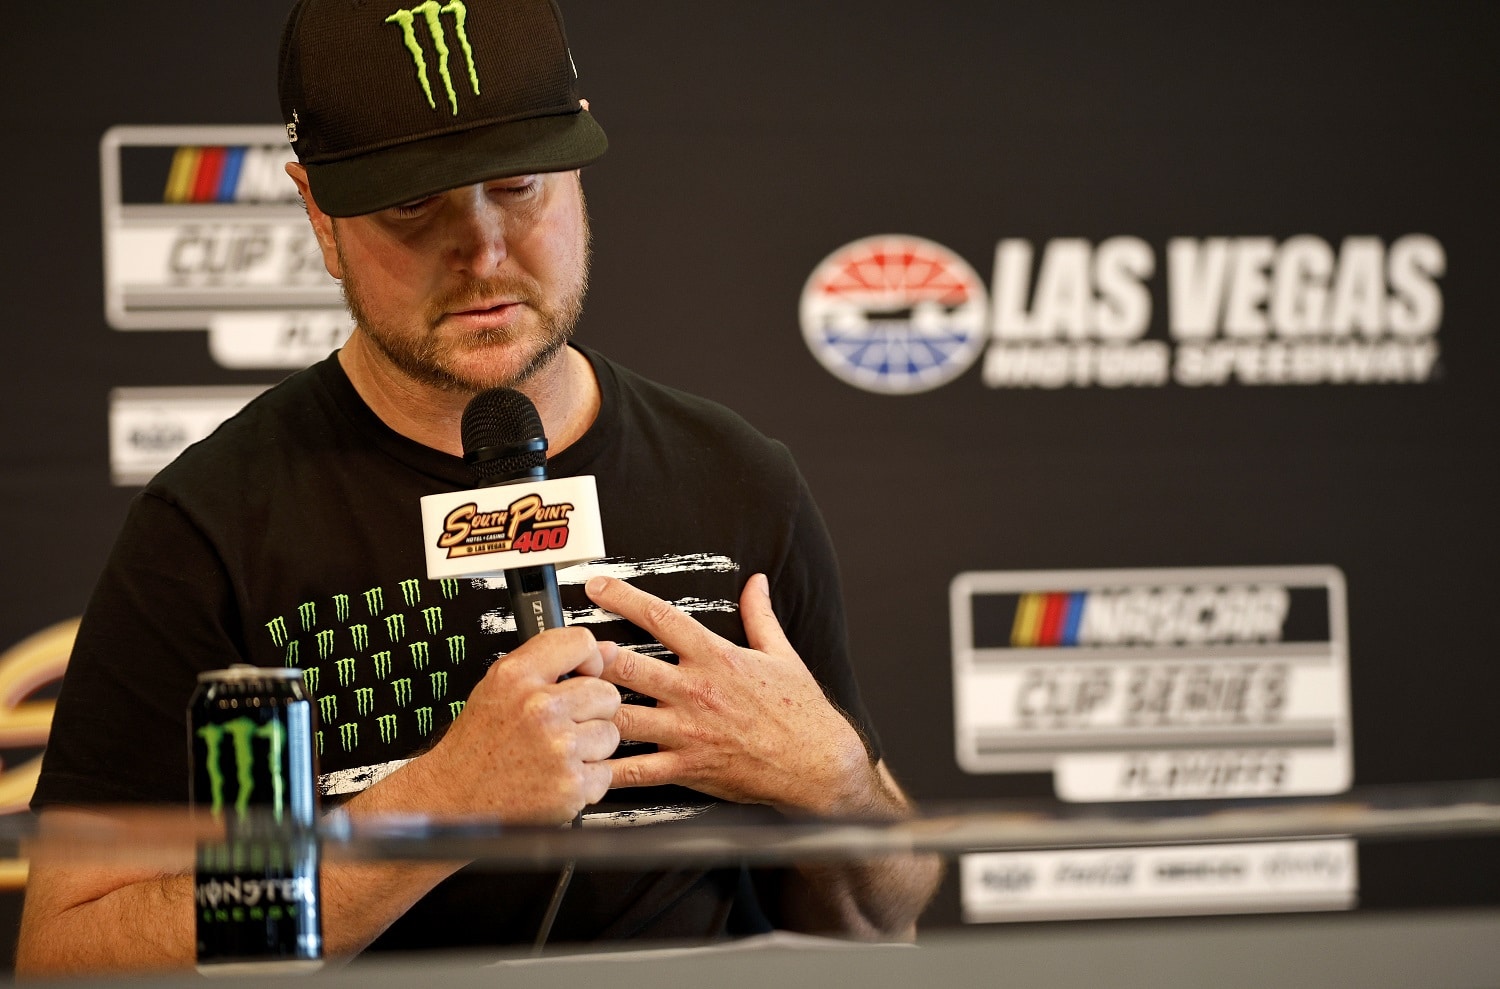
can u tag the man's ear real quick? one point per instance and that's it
(322, 223)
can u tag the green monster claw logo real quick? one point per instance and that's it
(242, 733)
(293, 656)
(341, 607)
(424, 720)
(382, 664)
(375, 601)
(420, 655)
(457, 648)
(411, 592)
(430, 11)
(403, 691)
(349, 735)
(439, 684)
(308, 614)
(455, 708)
(449, 587)
(310, 678)
(387, 724)
(328, 707)
(346, 671)
(277, 628)
(325, 643)
(433, 617)
(365, 698)
(361, 634)
(395, 627)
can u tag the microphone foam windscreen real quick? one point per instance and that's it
(498, 427)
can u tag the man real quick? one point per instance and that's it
(439, 150)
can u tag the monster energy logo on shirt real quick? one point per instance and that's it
(439, 684)
(325, 643)
(431, 12)
(403, 691)
(424, 720)
(361, 636)
(457, 647)
(346, 671)
(308, 614)
(242, 733)
(375, 600)
(328, 707)
(395, 626)
(433, 617)
(420, 655)
(349, 735)
(411, 592)
(387, 723)
(365, 698)
(382, 664)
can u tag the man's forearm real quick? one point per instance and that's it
(871, 899)
(147, 924)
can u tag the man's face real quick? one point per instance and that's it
(473, 288)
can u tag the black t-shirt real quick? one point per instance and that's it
(292, 537)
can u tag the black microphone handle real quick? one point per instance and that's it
(534, 599)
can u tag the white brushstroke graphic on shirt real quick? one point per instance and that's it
(623, 569)
(504, 620)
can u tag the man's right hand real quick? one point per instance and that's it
(528, 746)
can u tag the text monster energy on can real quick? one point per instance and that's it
(256, 892)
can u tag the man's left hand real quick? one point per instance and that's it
(749, 725)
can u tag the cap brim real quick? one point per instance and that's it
(381, 179)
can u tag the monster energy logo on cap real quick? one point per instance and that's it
(432, 12)
(393, 103)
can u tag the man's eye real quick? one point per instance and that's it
(518, 187)
(413, 208)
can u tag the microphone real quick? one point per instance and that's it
(504, 443)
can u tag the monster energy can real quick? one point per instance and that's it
(257, 899)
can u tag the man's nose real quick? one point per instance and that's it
(479, 245)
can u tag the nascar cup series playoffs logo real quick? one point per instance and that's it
(897, 315)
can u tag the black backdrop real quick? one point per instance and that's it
(749, 141)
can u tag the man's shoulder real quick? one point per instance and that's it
(683, 421)
(253, 441)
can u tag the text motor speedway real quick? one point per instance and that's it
(899, 314)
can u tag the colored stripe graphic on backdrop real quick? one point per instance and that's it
(1051, 619)
(204, 175)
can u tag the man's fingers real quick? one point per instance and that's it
(595, 741)
(672, 628)
(638, 723)
(762, 628)
(642, 674)
(651, 769)
(589, 698)
(556, 653)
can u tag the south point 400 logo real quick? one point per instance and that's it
(526, 525)
(899, 315)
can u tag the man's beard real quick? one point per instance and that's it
(428, 359)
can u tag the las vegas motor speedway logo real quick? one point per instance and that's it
(897, 315)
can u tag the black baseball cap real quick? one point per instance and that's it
(387, 101)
